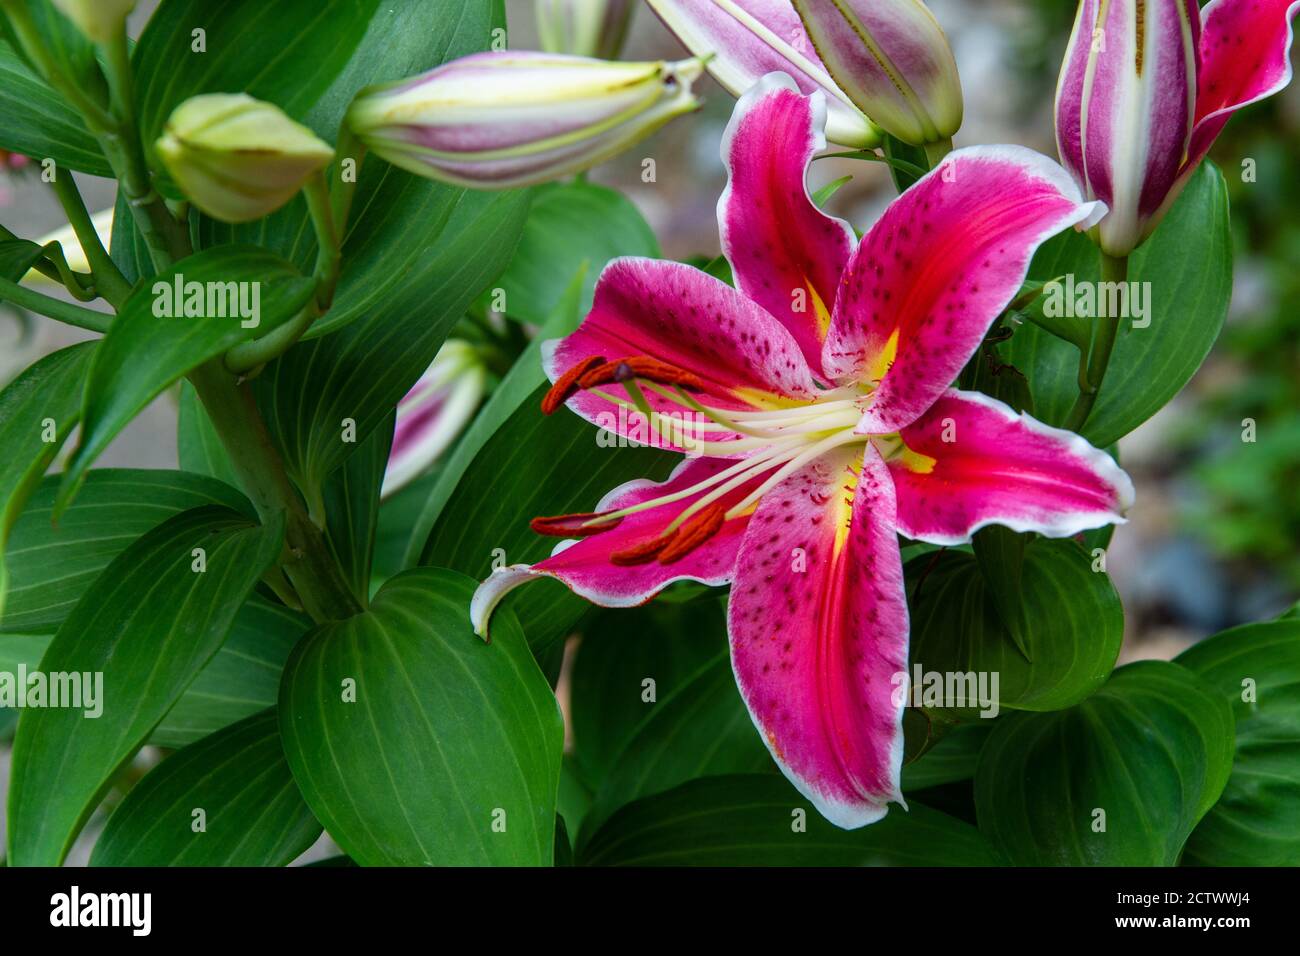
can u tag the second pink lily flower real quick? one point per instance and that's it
(815, 403)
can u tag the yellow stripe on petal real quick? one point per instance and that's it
(880, 366)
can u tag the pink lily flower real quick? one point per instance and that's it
(814, 404)
(1146, 88)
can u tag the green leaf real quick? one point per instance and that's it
(760, 820)
(352, 508)
(51, 566)
(953, 757)
(1256, 669)
(253, 814)
(286, 54)
(358, 375)
(1073, 625)
(1119, 780)
(701, 730)
(665, 643)
(242, 678)
(198, 446)
(570, 228)
(16, 257)
(148, 625)
(70, 53)
(575, 471)
(411, 738)
(42, 403)
(1188, 263)
(143, 353)
(37, 122)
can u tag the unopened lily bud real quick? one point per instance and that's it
(583, 27)
(98, 20)
(434, 412)
(238, 158)
(744, 40)
(1125, 105)
(893, 60)
(499, 120)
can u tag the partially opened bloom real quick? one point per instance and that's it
(746, 39)
(893, 60)
(433, 412)
(814, 400)
(498, 120)
(1147, 86)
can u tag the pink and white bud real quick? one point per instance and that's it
(433, 412)
(745, 40)
(503, 119)
(893, 60)
(583, 27)
(1125, 106)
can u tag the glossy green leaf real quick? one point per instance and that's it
(1073, 625)
(1256, 669)
(70, 53)
(286, 54)
(621, 649)
(701, 730)
(352, 508)
(38, 410)
(953, 757)
(198, 446)
(1118, 780)
(1188, 265)
(37, 122)
(143, 353)
(51, 565)
(253, 814)
(414, 741)
(571, 227)
(357, 376)
(17, 257)
(148, 651)
(242, 678)
(761, 820)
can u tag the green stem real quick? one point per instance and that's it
(29, 38)
(79, 286)
(343, 191)
(307, 561)
(249, 355)
(1104, 333)
(935, 152)
(109, 281)
(52, 308)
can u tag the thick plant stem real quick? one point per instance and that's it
(307, 561)
(935, 152)
(109, 281)
(1104, 334)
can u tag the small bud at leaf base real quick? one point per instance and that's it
(98, 20)
(503, 119)
(893, 60)
(238, 158)
(583, 27)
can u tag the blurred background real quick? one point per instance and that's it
(1213, 539)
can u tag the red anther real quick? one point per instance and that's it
(640, 366)
(567, 384)
(694, 533)
(572, 526)
(643, 552)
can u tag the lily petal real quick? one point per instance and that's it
(931, 276)
(818, 624)
(1245, 57)
(585, 567)
(747, 39)
(972, 461)
(785, 253)
(744, 358)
